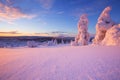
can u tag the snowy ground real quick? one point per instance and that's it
(60, 63)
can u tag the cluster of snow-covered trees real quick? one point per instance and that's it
(32, 44)
(54, 42)
(107, 31)
(5, 43)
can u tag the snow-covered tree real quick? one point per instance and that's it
(82, 37)
(104, 23)
(112, 36)
(31, 44)
(52, 43)
(62, 41)
(55, 42)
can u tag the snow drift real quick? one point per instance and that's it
(112, 36)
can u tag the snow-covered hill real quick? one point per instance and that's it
(60, 63)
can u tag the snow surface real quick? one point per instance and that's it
(60, 63)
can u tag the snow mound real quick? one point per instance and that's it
(104, 23)
(112, 36)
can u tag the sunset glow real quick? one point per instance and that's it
(44, 17)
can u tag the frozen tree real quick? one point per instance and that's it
(55, 42)
(31, 44)
(52, 42)
(104, 23)
(112, 36)
(62, 41)
(82, 37)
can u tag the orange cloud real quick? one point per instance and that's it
(10, 33)
(10, 13)
(50, 34)
(16, 33)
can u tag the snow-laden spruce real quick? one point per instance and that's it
(32, 44)
(55, 42)
(62, 41)
(83, 35)
(52, 43)
(104, 23)
(112, 36)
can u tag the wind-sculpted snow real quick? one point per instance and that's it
(112, 36)
(60, 63)
(104, 23)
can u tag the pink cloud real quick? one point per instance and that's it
(10, 13)
(47, 4)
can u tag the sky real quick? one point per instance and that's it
(51, 17)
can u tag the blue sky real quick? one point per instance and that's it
(51, 17)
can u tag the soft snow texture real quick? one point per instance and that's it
(104, 23)
(112, 36)
(82, 37)
(63, 63)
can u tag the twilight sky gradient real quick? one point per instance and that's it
(51, 17)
